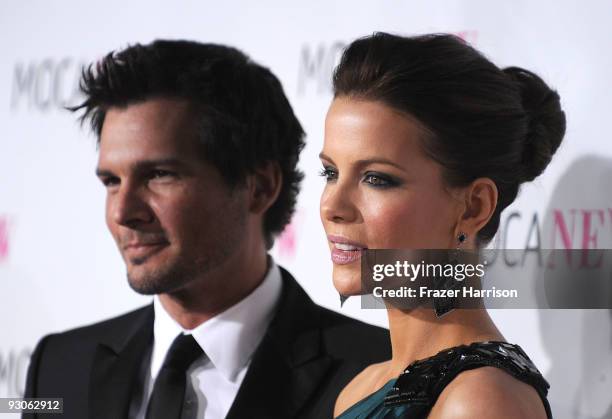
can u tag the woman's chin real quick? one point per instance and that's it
(347, 283)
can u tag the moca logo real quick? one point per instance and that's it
(317, 64)
(13, 367)
(47, 84)
(562, 228)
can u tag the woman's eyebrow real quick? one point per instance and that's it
(367, 161)
(323, 156)
(379, 160)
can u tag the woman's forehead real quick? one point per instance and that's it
(360, 129)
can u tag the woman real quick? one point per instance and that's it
(426, 142)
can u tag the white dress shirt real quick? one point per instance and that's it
(228, 341)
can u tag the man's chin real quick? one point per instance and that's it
(146, 282)
(145, 287)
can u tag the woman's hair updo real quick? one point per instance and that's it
(480, 121)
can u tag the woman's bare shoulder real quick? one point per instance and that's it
(360, 387)
(488, 392)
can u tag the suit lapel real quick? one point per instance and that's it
(289, 364)
(116, 363)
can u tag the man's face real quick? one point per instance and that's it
(173, 216)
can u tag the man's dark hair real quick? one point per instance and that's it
(245, 121)
(481, 121)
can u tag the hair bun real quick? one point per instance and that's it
(546, 125)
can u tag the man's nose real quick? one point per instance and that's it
(129, 207)
(338, 203)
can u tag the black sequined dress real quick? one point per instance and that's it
(415, 391)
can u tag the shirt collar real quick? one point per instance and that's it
(228, 339)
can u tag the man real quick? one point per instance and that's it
(198, 148)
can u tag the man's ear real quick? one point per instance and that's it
(264, 186)
(480, 201)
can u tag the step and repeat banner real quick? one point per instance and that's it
(59, 267)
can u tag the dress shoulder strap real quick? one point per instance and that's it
(422, 381)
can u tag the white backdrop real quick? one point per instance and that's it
(59, 267)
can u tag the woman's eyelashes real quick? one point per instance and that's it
(329, 173)
(380, 180)
(373, 179)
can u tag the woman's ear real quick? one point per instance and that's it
(480, 201)
(264, 186)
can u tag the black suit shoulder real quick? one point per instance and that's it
(351, 339)
(308, 355)
(61, 361)
(343, 338)
(106, 330)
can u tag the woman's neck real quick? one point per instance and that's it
(419, 333)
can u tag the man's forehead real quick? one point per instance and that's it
(158, 128)
(105, 166)
(152, 113)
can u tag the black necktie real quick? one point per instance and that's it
(168, 394)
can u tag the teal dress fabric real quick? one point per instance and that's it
(415, 391)
(373, 406)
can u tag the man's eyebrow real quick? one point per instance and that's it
(103, 173)
(144, 165)
(169, 161)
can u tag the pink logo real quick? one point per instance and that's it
(469, 36)
(4, 239)
(592, 223)
(287, 241)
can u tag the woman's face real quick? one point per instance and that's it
(382, 191)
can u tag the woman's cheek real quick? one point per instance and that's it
(405, 222)
(391, 224)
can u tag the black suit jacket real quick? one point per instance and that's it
(306, 357)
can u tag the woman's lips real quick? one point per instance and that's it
(344, 257)
(344, 250)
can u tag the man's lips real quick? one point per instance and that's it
(137, 245)
(344, 250)
(142, 249)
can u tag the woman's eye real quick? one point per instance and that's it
(329, 174)
(379, 180)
